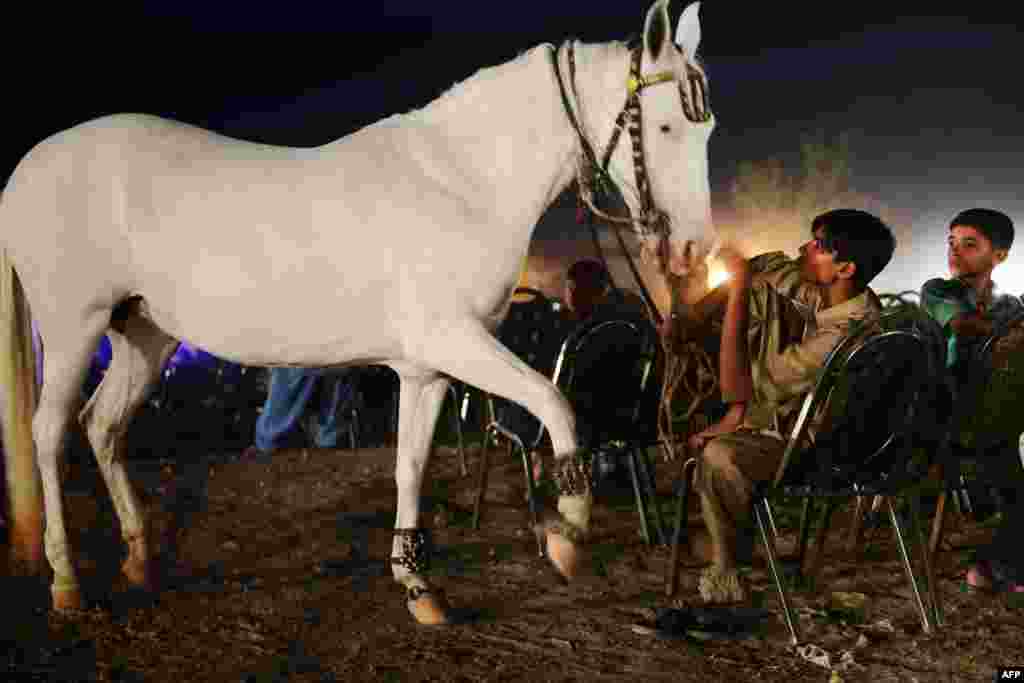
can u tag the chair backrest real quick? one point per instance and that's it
(605, 369)
(533, 330)
(985, 414)
(907, 297)
(875, 393)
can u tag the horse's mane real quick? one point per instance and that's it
(477, 85)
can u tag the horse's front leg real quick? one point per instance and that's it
(419, 403)
(467, 351)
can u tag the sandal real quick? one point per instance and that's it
(722, 587)
(991, 576)
(703, 623)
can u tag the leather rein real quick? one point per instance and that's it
(592, 176)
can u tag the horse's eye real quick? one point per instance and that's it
(665, 128)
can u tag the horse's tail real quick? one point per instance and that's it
(18, 386)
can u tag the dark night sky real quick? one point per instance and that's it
(932, 103)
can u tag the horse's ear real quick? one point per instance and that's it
(657, 30)
(688, 31)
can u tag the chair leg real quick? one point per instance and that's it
(640, 507)
(805, 530)
(773, 563)
(771, 523)
(929, 568)
(819, 541)
(353, 430)
(457, 422)
(682, 503)
(531, 495)
(481, 483)
(651, 493)
(925, 621)
(856, 533)
(938, 527)
(966, 497)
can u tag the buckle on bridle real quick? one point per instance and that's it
(635, 84)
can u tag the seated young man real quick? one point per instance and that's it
(767, 365)
(967, 305)
(970, 310)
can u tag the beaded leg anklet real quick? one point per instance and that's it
(415, 557)
(572, 474)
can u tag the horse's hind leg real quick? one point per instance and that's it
(70, 343)
(419, 403)
(139, 351)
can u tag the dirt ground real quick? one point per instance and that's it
(282, 577)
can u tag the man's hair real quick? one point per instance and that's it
(857, 236)
(995, 225)
(589, 273)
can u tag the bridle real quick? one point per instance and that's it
(592, 175)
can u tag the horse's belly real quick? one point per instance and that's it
(297, 321)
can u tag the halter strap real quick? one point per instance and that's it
(631, 107)
(588, 150)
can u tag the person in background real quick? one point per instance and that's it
(289, 395)
(586, 286)
(970, 309)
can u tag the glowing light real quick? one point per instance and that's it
(717, 274)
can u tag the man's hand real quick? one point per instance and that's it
(736, 264)
(730, 422)
(971, 325)
(668, 330)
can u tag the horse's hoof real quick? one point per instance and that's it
(66, 599)
(428, 608)
(564, 554)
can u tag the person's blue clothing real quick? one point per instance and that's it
(290, 392)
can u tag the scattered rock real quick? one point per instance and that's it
(647, 613)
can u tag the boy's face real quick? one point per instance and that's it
(819, 264)
(970, 253)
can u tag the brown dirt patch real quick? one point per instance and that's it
(282, 576)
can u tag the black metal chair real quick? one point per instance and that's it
(902, 311)
(906, 297)
(983, 432)
(606, 370)
(876, 397)
(533, 330)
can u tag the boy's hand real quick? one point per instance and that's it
(971, 325)
(666, 328)
(736, 264)
(730, 422)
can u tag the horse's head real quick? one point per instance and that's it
(675, 125)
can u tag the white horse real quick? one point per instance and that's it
(411, 232)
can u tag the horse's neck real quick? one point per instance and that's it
(504, 129)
